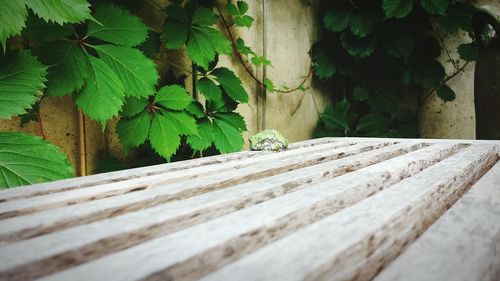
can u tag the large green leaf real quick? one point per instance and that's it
(203, 44)
(61, 11)
(397, 8)
(164, 137)
(322, 64)
(12, 16)
(21, 78)
(176, 29)
(437, 7)
(133, 131)
(372, 124)
(184, 123)
(103, 94)
(118, 26)
(133, 106)
(337, 19)
(203, 16)
(173, 97)
(233, 119)
(26, 159)
(209, 89)
(69, 67)
(137, 73)
(226, 137)
(362, 24)
(356, 47)
(204, 138)
(39, 30)
(231, 84)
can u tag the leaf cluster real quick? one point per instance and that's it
(383, 47)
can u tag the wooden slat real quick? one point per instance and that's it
(355, 243)
(463, 245)
(98, 209)
(99, 179)
(202, 248)
(237, 172)
(168, 218)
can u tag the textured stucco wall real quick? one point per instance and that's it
(289, 29)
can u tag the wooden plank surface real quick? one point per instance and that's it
(463, 245)
(327, 209)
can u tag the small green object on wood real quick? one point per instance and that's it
(268, 140)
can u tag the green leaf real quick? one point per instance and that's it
(468, 52)
(233, 119)
(173, 97)
(133, 131)
(437, 7)
(245, 21)
(42, 31)
(226, 137)
(133, 106)
(118, 27)
(196, 109)
(360, 93)
(151, 47)
(337, 117)
(260, 60)
(397, 43)
(175, 35)
(22, 76)
(242, 48)
(232, 9)
(337, 19)
(184, 123)
(209, 89)
(269, 85)
(372, 124)
(61, 11)
(203, 44)
(26, 159)
(164, 137)
(137, 73)
(103, 94)
(397, 8)
(446, 93)
(231, 84)
(69, 67)
(362, 24)
(428, 74)
(356, 47)
(204, 138)
(12, 16)
(322, 64)
(243, 7)
(203, 16)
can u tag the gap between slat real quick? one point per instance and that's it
(186, 253)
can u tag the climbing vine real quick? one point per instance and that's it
(383, 53)
(103, 55)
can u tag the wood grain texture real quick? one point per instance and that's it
(326, 209)
(463, 245)
(188, 255)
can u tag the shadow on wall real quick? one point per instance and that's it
(487, 76)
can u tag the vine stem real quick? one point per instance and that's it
(429, 93)
(41, 132)
(247, 67)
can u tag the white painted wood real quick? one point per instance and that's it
(98, 209)
(463, 245)
(199, 208)
(356, 242)
(202, 247)
(98, 179)
(270, 161)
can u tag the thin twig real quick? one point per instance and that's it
(441, 41)
(41, 132)
(429, 93)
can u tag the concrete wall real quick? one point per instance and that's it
(283, 30)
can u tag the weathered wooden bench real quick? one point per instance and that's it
(326, 209)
